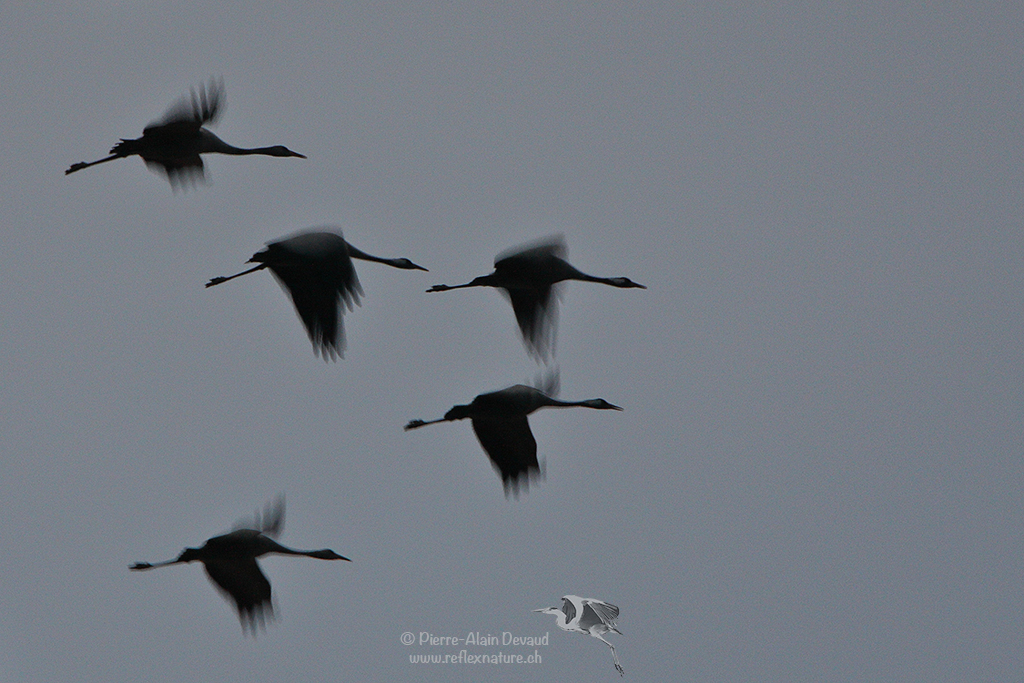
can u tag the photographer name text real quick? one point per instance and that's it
(476, 638)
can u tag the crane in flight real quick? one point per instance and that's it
(500, 422)
(172, 145)
(230, 562)
(585, 615)
(528, 274)
(315, 267)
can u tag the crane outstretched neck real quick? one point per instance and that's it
(596, 403)
(211, 143)
(403, 263)
(325, 554)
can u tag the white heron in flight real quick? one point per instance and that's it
(527, 275)
(586, 615)
(173, 144)
(500, 422)
(230, 562)
(315, 266)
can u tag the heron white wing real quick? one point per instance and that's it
(598, 612)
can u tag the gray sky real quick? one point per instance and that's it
(817, 476)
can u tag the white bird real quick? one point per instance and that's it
(315, 266)
(585, 615)
(173, 144)
(230, 562)
(528, 275)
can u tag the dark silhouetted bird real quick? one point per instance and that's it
(500, 422)
(583, 615)
(527, 275)
(230, 562)
(316, 268)
(173, 144)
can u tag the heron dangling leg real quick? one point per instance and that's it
(615, 657)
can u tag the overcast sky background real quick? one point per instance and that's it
(817, 475)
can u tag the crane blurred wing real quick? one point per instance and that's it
(199, 108)
(549, 383)
(318, 297)
(244, 583)
(317, 306)
(532, 253)
(181, 170)
(536, 313)
(270, 522)
(511, 447)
